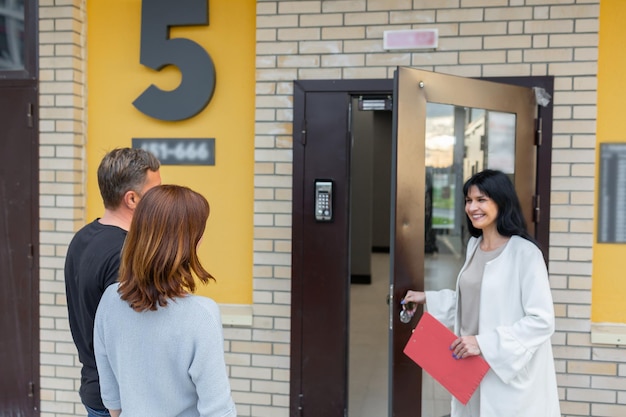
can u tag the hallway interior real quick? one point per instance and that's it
(368, 373)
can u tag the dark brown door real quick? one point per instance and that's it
(19, 301)
(447, 128)
(319, 310)
(321, 248)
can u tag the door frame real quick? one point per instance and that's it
(309, 248)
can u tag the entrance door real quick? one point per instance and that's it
(19, 300)
(321, 269)
(447, 128)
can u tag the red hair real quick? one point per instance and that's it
(159, 258)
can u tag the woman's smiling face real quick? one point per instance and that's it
(482, 210)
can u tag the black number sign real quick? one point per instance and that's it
(158, 50)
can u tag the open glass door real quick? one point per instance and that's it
(446, 128)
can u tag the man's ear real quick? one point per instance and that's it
(131, 199)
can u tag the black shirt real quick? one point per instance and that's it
(91, 265)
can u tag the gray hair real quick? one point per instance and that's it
(122, 170)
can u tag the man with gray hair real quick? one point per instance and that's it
(93, 256)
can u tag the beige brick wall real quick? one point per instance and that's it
(62, 190)
(342, 39)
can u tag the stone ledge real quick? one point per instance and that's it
(236, 315)
(608, 333)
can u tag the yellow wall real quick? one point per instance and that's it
(609, 260)
(115, 78)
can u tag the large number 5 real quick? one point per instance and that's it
(158, 50)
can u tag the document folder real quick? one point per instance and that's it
(429, 347)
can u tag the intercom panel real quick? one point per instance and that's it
(323, 200)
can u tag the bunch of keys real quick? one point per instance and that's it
(407, 312)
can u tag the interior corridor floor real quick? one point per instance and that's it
(368, 373)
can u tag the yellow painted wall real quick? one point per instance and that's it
(115, 78)
(609, 260)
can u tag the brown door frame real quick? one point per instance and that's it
(320, 251)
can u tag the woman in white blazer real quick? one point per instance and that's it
(501, 308)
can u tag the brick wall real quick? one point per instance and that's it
(336, 39)
(62, 189)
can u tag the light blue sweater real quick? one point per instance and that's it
(168, 362)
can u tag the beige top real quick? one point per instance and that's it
(469, 289)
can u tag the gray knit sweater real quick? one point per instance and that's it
(168, 362)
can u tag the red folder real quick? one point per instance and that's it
(429, 347)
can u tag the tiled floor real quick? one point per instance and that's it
(368, 343)
(369, 340)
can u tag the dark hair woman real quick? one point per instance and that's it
(498, 187)
(160, 349)
(501, 308)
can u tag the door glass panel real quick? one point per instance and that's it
(489, 142)
(11, 34)
(459, 141)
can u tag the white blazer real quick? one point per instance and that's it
(516, 321)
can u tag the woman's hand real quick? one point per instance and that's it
(409, 304)
(417, 297)
(464, 347)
